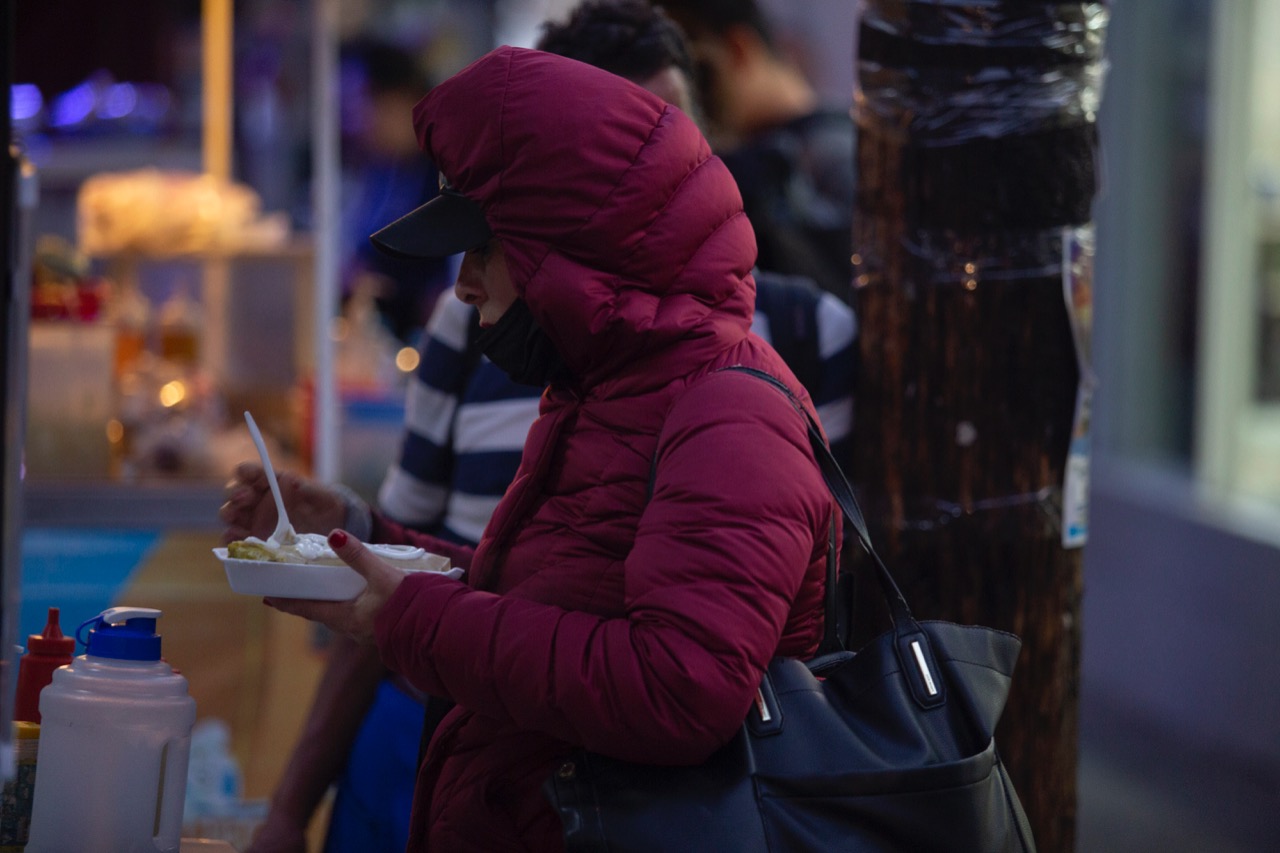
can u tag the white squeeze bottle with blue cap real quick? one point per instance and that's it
(115, 737)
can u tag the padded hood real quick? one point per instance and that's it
(622, 231)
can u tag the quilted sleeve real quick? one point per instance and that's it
(736, 524)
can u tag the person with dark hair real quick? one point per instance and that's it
(360, 712)
(815, 333)
(379, 82)
(793, 158)
(666, 534)
(630, 38)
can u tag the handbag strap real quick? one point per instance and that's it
(838, 484)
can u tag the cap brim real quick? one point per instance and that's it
(448, 224)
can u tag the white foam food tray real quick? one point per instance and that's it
(305, 580)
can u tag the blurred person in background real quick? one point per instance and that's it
(466, 422)
(630, 38)
(814, 332)
(384, 172)
(355, 735)
(791, 155)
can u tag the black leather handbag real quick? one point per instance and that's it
(886, 749)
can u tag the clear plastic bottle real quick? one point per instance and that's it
(114, 744)
(215, 785)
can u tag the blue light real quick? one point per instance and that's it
(73, 106)
(25, 102)
(120, 100)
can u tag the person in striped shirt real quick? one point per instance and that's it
(465, 420)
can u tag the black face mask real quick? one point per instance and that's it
(517, 344)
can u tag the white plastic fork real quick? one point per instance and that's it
(284, 532)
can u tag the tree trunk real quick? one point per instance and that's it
(972, 256)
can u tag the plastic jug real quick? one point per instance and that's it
(114, 744)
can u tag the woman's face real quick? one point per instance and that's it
(485, 282)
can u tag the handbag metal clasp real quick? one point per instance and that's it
(762, 706)
(767, 720)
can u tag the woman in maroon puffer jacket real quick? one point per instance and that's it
(666, 533)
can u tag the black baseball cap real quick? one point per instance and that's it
(448, 224)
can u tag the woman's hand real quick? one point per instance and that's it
(353, 618)
(251, 511)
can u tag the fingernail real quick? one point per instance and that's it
(337, 539)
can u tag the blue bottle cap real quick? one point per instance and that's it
(123, 633)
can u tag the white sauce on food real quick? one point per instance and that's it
(310, 547)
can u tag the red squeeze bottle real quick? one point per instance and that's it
(45, 653)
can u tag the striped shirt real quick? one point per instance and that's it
(466, 421)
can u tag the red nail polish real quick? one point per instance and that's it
(337, 539)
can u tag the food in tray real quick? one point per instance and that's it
(277, 571)
(313, 549)
(305, 567)
(248, 549)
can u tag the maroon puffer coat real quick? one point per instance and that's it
(595, 614)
